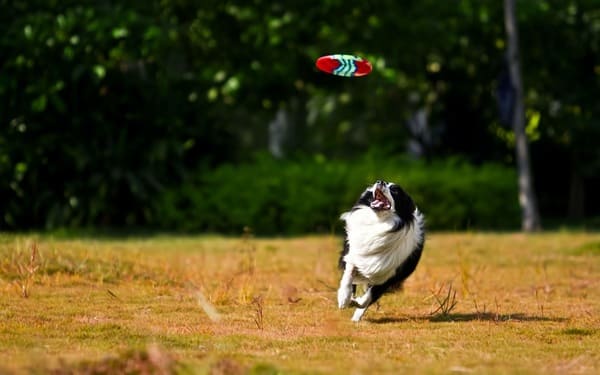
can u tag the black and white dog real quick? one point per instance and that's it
(385, 235)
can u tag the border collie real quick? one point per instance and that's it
(385, 235)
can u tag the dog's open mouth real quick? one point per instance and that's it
(380, 202)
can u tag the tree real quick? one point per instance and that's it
(527, 197)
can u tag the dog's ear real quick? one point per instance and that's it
(403, 204)
(365, 199)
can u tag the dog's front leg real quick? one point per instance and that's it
(345, 291)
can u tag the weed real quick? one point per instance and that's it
(26, 270)
(497, 315)
(540, 305)
(480, 313)
(242, 278)
(113, 295)
(446, 302)
(484, 314)
(257, 303)
(465, 273)
(246, 289)
(546, 287)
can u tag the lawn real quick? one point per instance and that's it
(478, 303)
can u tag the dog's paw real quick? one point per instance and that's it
(358, 314)
(344, 297)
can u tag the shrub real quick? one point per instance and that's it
(307, 196)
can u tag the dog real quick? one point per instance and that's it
(385, 235)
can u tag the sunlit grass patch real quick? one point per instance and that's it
(579, 331)
(588, 248)
(483, 303)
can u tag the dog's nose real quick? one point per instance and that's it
(380, 182)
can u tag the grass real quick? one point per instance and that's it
(478, 303)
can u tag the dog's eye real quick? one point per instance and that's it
(394, 188)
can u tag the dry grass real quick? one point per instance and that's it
(478, 303)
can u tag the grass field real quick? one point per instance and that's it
(478, 303)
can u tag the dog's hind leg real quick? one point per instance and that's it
(363, 302)
(358, 314)
(344, 293)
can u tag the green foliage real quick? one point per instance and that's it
(291, 197)
(97, 114)
(104, 106)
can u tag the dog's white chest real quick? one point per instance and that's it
(374, 250)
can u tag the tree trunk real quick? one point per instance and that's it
(530, 218)
(576, 196)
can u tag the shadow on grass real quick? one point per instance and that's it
(469, 317)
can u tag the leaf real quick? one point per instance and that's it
(39, 104)
(100, 71)
(120, 32)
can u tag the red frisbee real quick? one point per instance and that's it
(344, 65)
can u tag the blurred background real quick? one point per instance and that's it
(209, 116)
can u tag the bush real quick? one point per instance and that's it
(292, 197)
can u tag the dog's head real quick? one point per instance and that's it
(389, 197)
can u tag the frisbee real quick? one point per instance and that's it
(344, 65)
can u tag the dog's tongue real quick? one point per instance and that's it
(380, 202)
